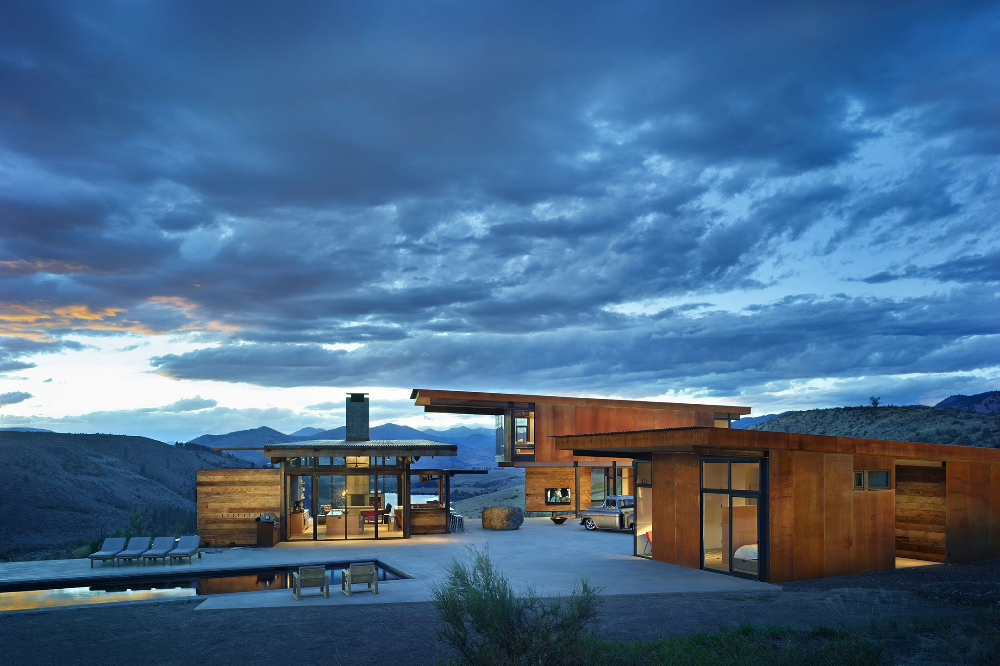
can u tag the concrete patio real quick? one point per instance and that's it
(551, 559)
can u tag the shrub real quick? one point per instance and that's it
(490, 625)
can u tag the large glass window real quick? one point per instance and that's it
(730, 502)
(715, 521)
(524, 434)
(746, 476)
(715, 475)
(642, 473)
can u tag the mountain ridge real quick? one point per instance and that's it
(915, 423)
(981, 403)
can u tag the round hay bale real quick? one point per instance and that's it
(502, 518)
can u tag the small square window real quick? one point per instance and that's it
(859, 480)
(878, 479)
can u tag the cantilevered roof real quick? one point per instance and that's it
(640, 443)
(346, 447)
(475, 402)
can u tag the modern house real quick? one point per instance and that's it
(780, 506)
(764, 505)
(355, 488)
(558, 480)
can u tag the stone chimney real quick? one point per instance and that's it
(357, 417)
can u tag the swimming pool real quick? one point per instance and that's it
(167, 586)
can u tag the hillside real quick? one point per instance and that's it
(908, 424)
(63, 489)
(982, 403)
(747, 422)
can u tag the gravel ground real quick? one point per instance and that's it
(175, 633)
(970, 584)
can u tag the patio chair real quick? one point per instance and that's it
(136, 547)
(159, 550)
(649, 543)
(188, 547)
(310, 577)
(356, 574)
(109, 550)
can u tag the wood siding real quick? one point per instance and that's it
(707, 438)
(819, 526)
(555, 419)
(972, 511)
(920, 513)
(537, 479)
(230, 500)
(677, 509)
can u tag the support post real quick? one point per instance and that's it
(576, 491)
(447, 503)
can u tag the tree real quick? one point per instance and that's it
(874, 400)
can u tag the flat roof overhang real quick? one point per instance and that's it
(703, 439)
(344, 447)
(476, 402)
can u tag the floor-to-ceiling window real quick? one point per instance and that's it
(731, 515)
(344, 498)
(643, 478)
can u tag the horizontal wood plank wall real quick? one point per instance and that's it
(972, 511)
(819, 526)
(537, 479)
(428, 521)
(920, 513)
(230, 500)
(676, 509)
(552, 419)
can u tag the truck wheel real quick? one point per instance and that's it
(589, 523)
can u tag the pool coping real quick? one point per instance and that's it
(139, 577)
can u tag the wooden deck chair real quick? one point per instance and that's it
(136, 547)
(187, 546)
(109, 550)
(310, 577)
(357, 574)
(159, 550)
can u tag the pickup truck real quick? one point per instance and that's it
(617, 513)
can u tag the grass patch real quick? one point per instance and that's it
(742, 646)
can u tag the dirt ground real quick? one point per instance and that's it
(175, 633)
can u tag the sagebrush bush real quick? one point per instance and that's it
(490, 625)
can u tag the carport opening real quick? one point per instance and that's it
(920, 514)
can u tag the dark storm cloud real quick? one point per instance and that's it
(13, 351)
(403, 176)
(798, 338)
(975, 268)
(14, 397)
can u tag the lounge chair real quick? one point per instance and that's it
(356, 574)
(187, 547)
(159, 550)
(109, 550)
(136, 547)
(310, 577)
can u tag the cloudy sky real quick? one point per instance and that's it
(215, 216)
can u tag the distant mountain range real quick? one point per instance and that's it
(745, 422)
(908, 424)
(23, 429)
(981, 403)
(60, 490)
(305, 432)
(475, 445)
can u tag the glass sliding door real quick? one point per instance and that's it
(731, 520)
(642, 475)
(298, 516)
(715, 521)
